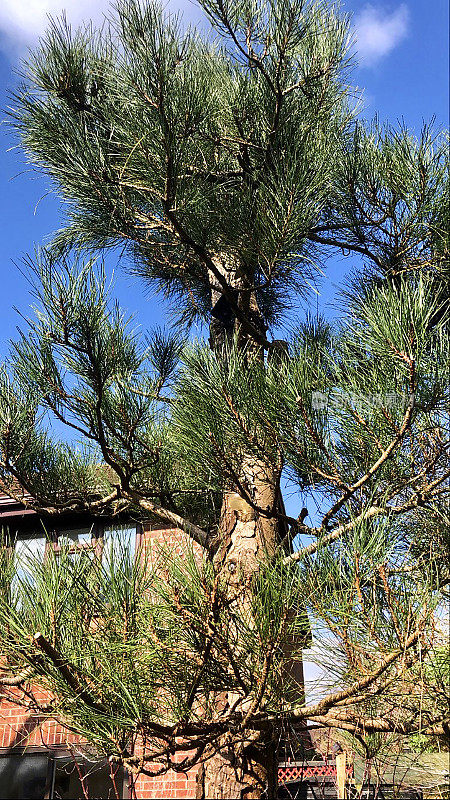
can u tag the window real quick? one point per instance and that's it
(33, 544)
(85, 779)
(27, 549)
(120, 539)
(38, 776)
(111, 542)
(115, 541)
(24, 777)
(20, 558)
(77, 540)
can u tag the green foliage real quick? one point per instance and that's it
(181, 147)
(367, 588)
(360, 376)
(394, 184)
(136, 640)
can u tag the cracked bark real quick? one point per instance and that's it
(245, 770)
(242, 765)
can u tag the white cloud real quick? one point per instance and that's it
(378, 31)
(23, 21)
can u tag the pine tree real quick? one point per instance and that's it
(228, 169)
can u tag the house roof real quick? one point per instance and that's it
(10, 506)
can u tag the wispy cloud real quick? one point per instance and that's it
(23, 21)
(378, 31)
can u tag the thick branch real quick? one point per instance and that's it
(382, 725)
(67, 673)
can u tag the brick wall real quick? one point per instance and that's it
(20, 729)
(171, 785)
(172, 538)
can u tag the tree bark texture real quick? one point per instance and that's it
(241, 768)
(243, 764)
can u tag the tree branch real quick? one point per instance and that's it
(365, 478)
(370, 513)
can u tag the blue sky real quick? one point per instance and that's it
(403, 54)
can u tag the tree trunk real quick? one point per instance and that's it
(244, 764)
(241, 768)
